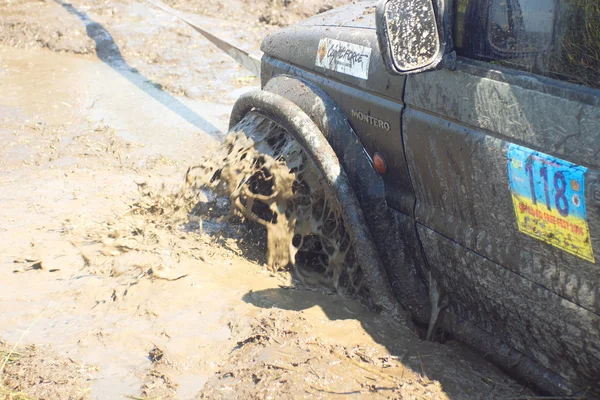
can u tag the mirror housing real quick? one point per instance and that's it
(412, 34)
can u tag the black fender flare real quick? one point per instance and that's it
(293, 119)
(409, 289)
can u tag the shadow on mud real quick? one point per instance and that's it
(460, 373)
(108, 51)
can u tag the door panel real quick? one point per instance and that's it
(557, 333)
(560, 118)
(456, 143)
(458, 128)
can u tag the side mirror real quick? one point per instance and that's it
(411, 35)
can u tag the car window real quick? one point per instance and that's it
(556, 38)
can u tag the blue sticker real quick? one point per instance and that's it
(549, 200)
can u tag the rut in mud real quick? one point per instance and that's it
(271, 180)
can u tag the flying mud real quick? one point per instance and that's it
(270, 180)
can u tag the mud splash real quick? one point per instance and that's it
(271, 181)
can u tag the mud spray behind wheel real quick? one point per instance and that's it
(266, 168)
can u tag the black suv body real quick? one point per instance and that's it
(490, 185)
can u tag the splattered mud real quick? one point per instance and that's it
(113, 284)
(271, 181)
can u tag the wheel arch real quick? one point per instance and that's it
(408, 288)
(295, 121)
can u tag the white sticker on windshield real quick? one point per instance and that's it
(347, 58)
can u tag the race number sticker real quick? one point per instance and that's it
(549, 200)
(347, 58)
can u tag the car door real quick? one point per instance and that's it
(504, 157)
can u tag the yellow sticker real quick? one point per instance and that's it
(549, 200)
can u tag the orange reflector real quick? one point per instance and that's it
(379, 163)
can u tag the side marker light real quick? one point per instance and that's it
(379, 164)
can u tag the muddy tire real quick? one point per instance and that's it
(271, 180)
(278, 170)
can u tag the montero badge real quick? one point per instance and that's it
(361, 116)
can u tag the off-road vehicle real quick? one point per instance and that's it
(460, 140)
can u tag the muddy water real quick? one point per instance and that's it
(49, 91)
(270, 180)
(64, 89)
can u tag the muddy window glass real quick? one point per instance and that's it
(555, 38)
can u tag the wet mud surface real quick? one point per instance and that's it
(113, 283)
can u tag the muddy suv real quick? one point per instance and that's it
(459, 141)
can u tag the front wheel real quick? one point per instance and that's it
(270, 179)
(278, 170)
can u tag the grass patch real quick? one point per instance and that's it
(9, 357)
